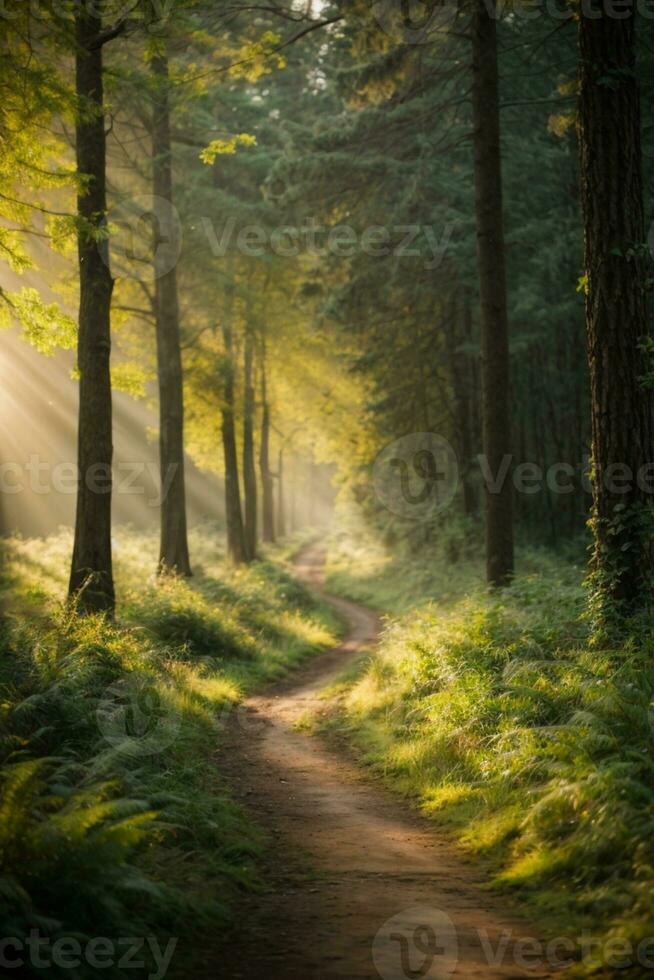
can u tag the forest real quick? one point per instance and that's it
(326, 489)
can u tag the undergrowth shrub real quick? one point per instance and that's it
(180, 616)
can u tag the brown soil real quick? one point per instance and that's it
(345, 855)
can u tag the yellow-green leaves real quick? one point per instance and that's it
(43, 324)
(258, 58)
(560, 123)
(130, 378)
(228, 146)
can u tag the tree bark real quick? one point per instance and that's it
(492, 283)
(281, 503)
(311, 493)
(616, 307)
(458, 334)
(234, 516)
(268, 505)
(249, 468)
(173, 552)
(292, 510)
(91, 578)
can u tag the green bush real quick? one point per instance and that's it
(181, 617)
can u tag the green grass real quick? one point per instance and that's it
(499, 716)
(114, 821)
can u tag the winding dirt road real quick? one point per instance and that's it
(358, 885)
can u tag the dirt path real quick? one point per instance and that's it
(358, 885)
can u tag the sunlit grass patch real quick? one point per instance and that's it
(391, 582)
(216, 690)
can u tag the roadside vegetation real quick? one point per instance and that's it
(114, 821)
(510, 727)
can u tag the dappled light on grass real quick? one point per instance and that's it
(215, 690)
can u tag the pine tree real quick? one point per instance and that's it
(249, 467)
(236, 543)
(616, 310)
(267, 499)
(492, 285)
(174, 552)
(91, 579)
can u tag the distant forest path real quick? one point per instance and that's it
(357, 884)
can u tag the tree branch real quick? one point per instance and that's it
(314, 26)
(307, 30)
(109, 35)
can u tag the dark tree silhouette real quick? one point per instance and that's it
(492, 285)
(91, 578)
(616, 308)
(174, 552)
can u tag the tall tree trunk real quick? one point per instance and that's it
(233, 514)
(91, 577)
(268, 511)
(281, 503)
(311, 488)
(173, 552)
(249, 468)
(292, 510)
(492, 283)
(616, 308)
(459, 334)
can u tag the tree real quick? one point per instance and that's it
(267, 498)
(91, 578)
(616, 309)
(236, 545)
(281, 495)
(465, 408)
(492, 287)
(249, 467)
(174, 552)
